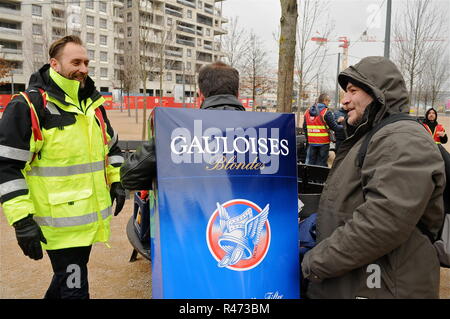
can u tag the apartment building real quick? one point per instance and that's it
(170, 39)
(173, 40)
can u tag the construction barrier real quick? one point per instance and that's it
(133, 102)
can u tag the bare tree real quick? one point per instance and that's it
(145, 58)
(286, 57)
(311, 55)
(256, 68)
(415, 33)
(234, 44)
(437, 73)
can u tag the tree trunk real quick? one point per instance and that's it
(286, 58)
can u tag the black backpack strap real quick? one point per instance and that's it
(391, 119)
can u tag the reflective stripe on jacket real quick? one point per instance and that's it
(317, 129)
(438, 128)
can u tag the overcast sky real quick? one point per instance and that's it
(351, 18)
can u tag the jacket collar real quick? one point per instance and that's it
(70, 87)
(59, 87)
(222, 100)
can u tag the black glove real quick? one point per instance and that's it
(139, 169)
(29, 235)
(117, 192)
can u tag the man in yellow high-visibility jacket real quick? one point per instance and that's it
(59, 167)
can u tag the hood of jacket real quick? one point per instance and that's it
(315, 109)
(58, 86)
(380, 78)
(222, 102)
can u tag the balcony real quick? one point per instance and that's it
(10, 31)
(174, 53)
(185, 29)
(189, 3)
(204, 20)
(219, 31)
(118, 3)
(186, 42)
(209, 10)
(174, 12)
(58, 4)
(10, 12)
(204, 57)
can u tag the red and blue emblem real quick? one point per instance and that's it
(238, 234)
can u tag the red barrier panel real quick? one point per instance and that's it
(4, 100)
(135, 101)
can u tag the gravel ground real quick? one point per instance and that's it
(111, 275)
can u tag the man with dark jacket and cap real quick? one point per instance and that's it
(368, 244)
(218, 90)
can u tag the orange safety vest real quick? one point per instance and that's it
(437, 129)
(317, 129)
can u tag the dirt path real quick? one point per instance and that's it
(111, 275)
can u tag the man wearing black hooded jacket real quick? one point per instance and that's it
(436, 130)
(218, 90)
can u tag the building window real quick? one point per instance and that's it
(208, 32)
(169, 77)
(189, 52)
(129, 17)
(169, 21)
(103, 39)
(129, 3)
(103, 56)
(90, 37)
(199, 4)
(188, 66)
(199, 42)
(103, 23)
(103, 72)
(38, 48)
(89, 4)
(37, 29)
(91, 55)
(90, 21)
(129, 32)
(189, 14)
(36, 10)
(92, 71)
(102, 6)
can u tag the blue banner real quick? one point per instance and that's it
(225, 223)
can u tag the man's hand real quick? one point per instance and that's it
(29, 235)
(117, 192)
(441, 133)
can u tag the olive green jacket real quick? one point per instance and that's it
(368, 242)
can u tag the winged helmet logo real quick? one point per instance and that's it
(238, 234)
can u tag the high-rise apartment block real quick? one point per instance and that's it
(127, 41)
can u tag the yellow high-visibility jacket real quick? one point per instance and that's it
(63, 179)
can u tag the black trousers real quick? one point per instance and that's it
(70, 273)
